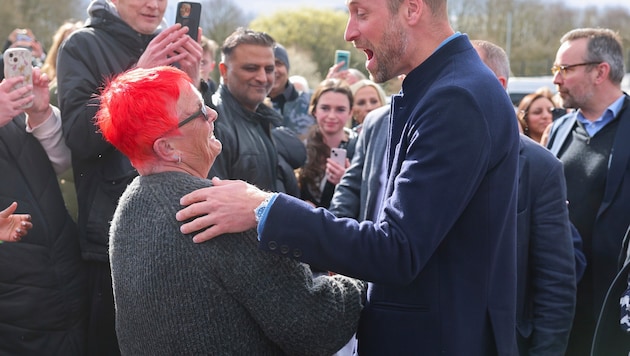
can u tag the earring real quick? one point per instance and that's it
(178, 158)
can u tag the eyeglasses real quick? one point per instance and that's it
(200, 112)
(564, 69)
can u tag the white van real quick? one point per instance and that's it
(518, 87)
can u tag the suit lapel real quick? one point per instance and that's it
(619, 157)
(562, 133)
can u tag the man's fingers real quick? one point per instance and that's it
(200, 219)
(196, 196)
(209, 233)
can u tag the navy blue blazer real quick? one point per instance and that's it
(441, 258)
(613, 217)
(546, 289)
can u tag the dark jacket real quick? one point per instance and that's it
(441, 257)
(612, 219)
(248, 150)
(610, 339)
(42, 280)
(105, 47)
(291, 156)
(545, 269)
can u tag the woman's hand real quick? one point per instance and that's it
(13, 226)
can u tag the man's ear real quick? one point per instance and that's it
(503, 81)
(603, 71)
(165, 151)
(414, 10)
(223, 70)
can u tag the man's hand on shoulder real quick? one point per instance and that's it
(226, 207)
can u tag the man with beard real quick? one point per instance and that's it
(592, 143)
(440, 256)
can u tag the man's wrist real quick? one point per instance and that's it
(261, 209)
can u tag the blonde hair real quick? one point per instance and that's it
(50, 64)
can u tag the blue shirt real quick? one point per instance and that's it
(593, 127)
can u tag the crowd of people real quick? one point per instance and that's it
(148, 209)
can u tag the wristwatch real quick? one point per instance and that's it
(260, 209)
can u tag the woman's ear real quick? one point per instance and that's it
(165, 151)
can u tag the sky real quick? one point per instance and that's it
(254, 8)
(266, 7)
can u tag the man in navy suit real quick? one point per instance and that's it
(441, 257)
(592, 143)
(545, 257)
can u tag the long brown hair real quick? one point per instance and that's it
(317, 151)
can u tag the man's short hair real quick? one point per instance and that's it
(604, 45)
(245, 36)
(496, 58)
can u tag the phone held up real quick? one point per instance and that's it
(338, 155)
(342, 56)
(18, 62)
(189, 15)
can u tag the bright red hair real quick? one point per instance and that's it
(138, 107)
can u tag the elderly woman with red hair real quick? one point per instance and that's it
(173, 296)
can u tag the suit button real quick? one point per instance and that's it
(297, 253)
(272, 245)
(284, 249)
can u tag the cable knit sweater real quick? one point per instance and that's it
(222, 297)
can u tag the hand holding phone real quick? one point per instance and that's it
(18, 62)
(189, 15)
(339, 156)
(342, 56)
(334, 174)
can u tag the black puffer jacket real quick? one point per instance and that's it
(43, 295)
(107, 46)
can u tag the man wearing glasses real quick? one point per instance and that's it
(592, 142)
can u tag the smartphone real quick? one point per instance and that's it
(19, 62)
(342, 56)
(22, 37)
(338, 155)
(189, 15)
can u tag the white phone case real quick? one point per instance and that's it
(338, 155)
(18, 62)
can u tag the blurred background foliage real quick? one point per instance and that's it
(529, 30)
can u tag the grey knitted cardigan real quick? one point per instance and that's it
(221, 297)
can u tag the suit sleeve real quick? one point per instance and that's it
(552, 266)
(433, 185)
